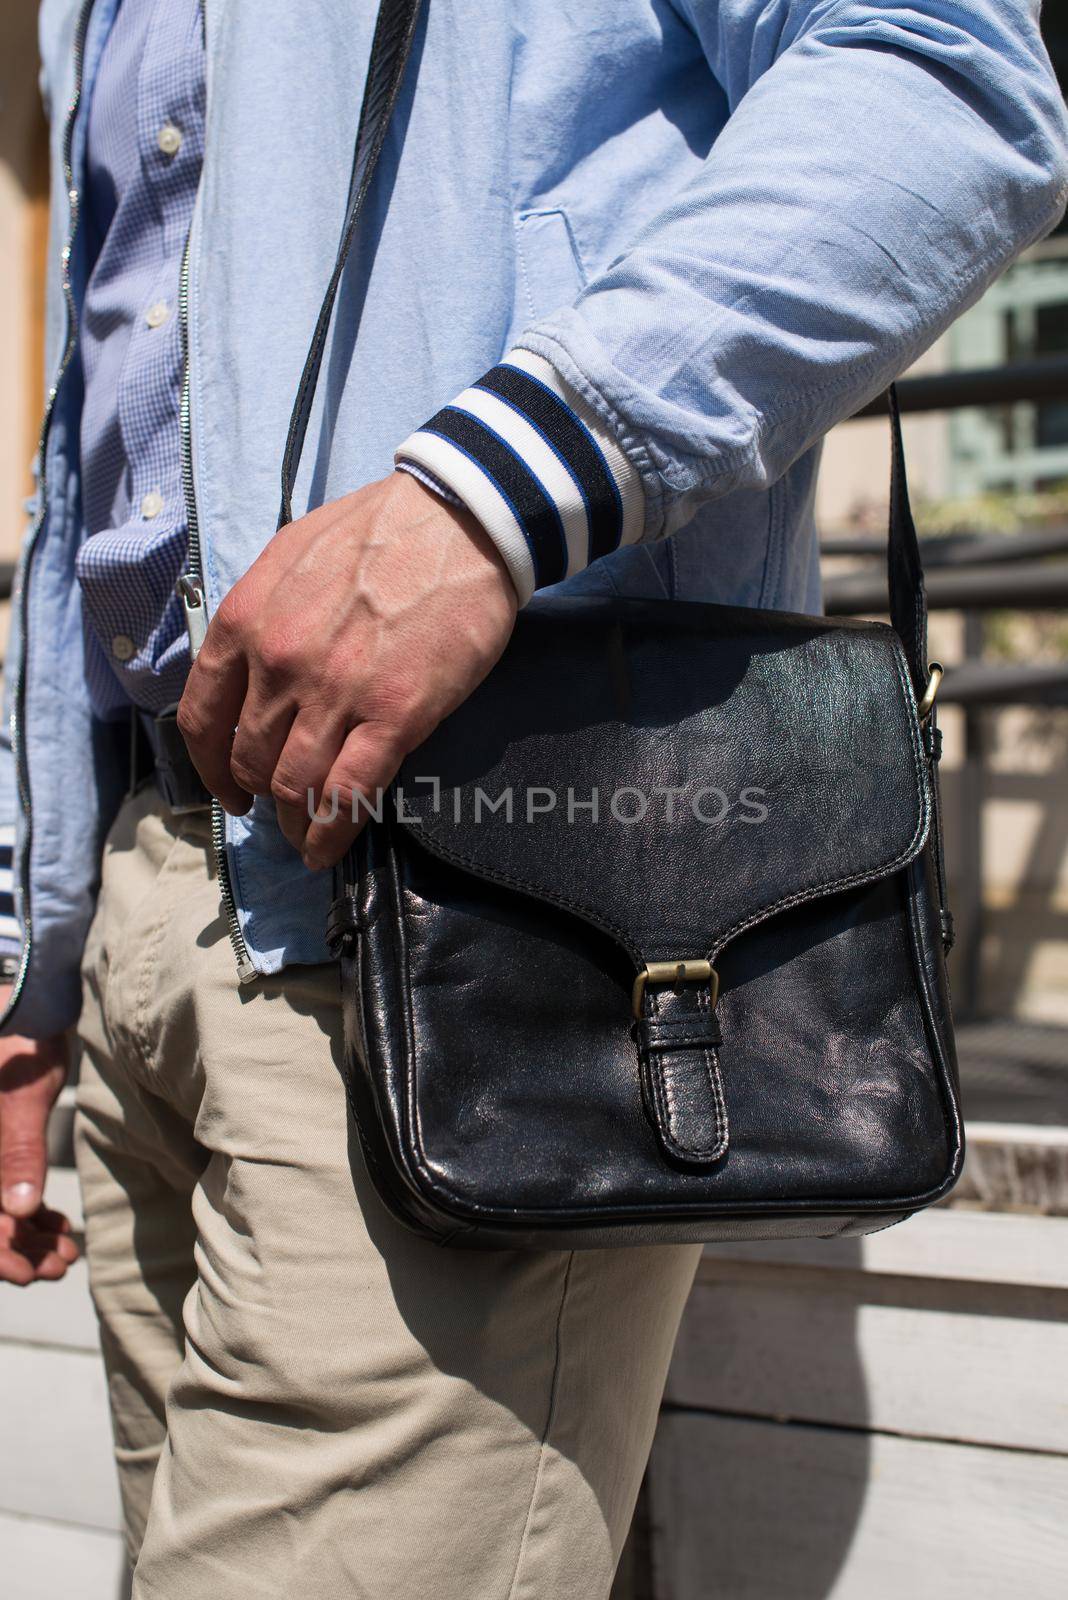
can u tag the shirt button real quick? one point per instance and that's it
(151, 504)
(123, 647)
(169, 139)
(157, 315)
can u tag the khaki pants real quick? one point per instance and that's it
(309, 1401)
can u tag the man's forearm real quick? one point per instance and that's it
(883, 163)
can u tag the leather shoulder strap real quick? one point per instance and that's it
(390, 49)
(908, 597)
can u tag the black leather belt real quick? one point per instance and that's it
(157, 751)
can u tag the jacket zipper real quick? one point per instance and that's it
(18, 702)
(194, 603)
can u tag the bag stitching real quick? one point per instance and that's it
(500, 1217)
(677, 1041)
(948, 1094)
(666, 1102)
(715, 1080)
(901, 860)
(800, 897)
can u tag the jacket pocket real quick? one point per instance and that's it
(549, 272)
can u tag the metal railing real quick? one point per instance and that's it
(1045, 379)
(975, 575)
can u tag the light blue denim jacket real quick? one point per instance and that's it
(726, 223)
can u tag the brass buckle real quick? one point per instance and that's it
(936, 673)
(674, 972)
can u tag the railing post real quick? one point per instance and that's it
(969, 886)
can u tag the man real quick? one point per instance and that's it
(676, 242)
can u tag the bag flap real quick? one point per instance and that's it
(677, 772)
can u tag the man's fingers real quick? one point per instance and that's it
(209, 711)
(315, 741)
(261, 735)
(46, 1224)
(366, 764)
(62, 1245)
(14, 1268)
(30, 1249)
(50, 1254)
(54, 1227)
(50, 1268)
(49, 1221)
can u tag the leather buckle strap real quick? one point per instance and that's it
(682, 1086)
(678, 1051)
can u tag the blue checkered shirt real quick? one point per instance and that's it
(145, 149)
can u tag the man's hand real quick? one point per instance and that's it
(355, 632)
(35, 1242)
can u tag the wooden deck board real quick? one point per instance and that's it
(748, 1510)
(42, 1560)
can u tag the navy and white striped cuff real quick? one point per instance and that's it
(531, 460)
(10, 932)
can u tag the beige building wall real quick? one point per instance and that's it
(855, 475)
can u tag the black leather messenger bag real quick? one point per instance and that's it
(648, 943)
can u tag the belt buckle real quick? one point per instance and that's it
(177, 780)
(171, 793)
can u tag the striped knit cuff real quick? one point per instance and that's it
(10, 932)
(531, 460)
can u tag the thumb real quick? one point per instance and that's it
(23, 1155)
(26, 1098)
